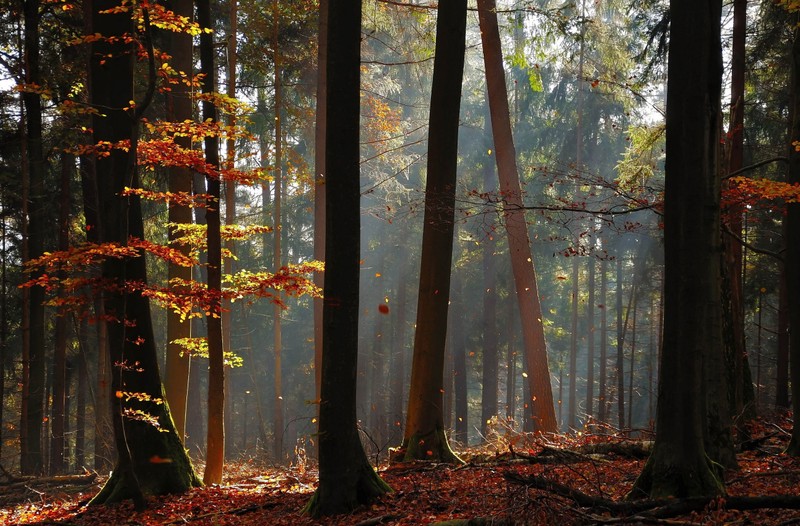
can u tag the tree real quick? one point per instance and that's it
(151, 459)
(424, 436)
(679, 465)
(215, 436)
(791, 231)
(179, 109)
(530, 309)
(346, 478)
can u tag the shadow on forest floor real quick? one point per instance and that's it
(499, 484)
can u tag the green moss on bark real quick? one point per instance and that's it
(668, 473)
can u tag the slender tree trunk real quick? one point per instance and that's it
(215, 437)
(31, 445)
(490, 351)
(573, 349)
(179, 109)
(518, 238)
(3, 316)
(80, 393)
(319, 184)
(60, 386)
(345, 477)
(460, 364)
(602, 373)
(278, 226)
(792, 230)
(230, 215)
(511, 367)
(590, 337)
(621, 325)
(424, 436)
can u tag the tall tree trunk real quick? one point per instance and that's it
(424, 436)
(792, 231)
(621, 325)
(151, 458)
(3, 314)
(215, 435)
(179, 109)
(80, 393)
(346, 479)
(490, 351)
(511, 367)
(319, 184)
(60, 386)
(530, 308)
(230, 214)
(31, 436)
(602, 373)
(679, 465)
(573, 349)
(460, 363)
(277, 260)
(590, 337)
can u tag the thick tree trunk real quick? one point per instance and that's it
(345, 477)
(541, 399)
(151, 459)
(424, 436)
(679, 465)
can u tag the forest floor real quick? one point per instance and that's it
(518, 479)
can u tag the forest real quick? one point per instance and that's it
(399, 262)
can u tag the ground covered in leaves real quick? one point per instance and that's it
(518, 480)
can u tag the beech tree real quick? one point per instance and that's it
(541, 394)
(346, 479)
(151, 459)
(680, 464)
(424, 436)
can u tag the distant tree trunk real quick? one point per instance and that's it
(179, 109)
(792, 229)
(590, 307)
(424, 436)
(490, 351)
(60, 386)
(740, 384)
(31, 461)
(398, 357)
(573, 349)
(511, 364)
(230, 215)
(215, 435)
(319, 184)
(3, 315)
(460, 364)
(151, 458)
(277, 232)
(782, 366)
(346, 478)
(602, 373)
(679, 465)
(80, 394)
(541, 398)
(620, 368)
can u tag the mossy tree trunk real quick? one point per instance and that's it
(346, 478)
(679, 465)
(424, 437)
(151, 458)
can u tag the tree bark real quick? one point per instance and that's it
(215, 434)
(541, 394)
(151, 458)
(345, 477)
(424, 436)
(679, 465)
(179, 109)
